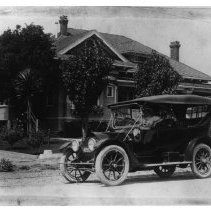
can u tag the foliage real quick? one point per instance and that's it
(155, 76)
(25, 48)
(84, 77)
(37, 140)
(12, 135)
(6, 165)
(26, 84)
(96, 111)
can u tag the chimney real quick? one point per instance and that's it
(174, 46)
(63, 25)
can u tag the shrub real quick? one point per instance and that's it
(6, 165)
(37, 140)
(12, 135)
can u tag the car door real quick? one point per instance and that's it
(171, 137)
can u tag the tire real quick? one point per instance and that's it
(73, 174)
(165, 171)
(201, 165)
(112, 160)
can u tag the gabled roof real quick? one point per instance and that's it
(79, 38)
(63, 41)
(188, 72)
(120, 45)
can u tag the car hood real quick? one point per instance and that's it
(117, 135)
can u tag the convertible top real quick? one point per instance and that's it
(167, 99)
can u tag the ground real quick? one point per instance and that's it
(41, 184)
(49, 188)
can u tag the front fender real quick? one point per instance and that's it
(65, 146)
(106, 142)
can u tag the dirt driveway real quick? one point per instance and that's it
(38, 182)
(47, 187)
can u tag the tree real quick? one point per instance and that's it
(155, 76)
(22, 48)
(26, 48)
(26, 85)
(84, 77)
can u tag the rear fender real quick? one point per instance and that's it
(189, 150)
(102, 144)
(192, 144)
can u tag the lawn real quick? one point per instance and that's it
(22, 147)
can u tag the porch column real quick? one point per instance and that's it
(115, 94)
(61, 107)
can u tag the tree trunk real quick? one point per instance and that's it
(84, 126)
(29, 126)
(9, 116)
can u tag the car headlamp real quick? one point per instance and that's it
(75, 146)
(91, 144)
(136, 132)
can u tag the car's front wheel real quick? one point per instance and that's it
(164, 171)
(112, 165)
(70, 170)
(201, 165)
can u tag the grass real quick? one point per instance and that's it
(24, 167)
(22, 147)
(38, 167)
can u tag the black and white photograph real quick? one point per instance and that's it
(105, 105)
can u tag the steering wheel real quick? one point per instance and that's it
(130, 120)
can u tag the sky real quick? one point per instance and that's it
(155, 27)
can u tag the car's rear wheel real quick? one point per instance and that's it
(71, 171)
(112, 165)
(201, 165)
(164, 171)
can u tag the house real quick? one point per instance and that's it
(4, 116)
(126, 54)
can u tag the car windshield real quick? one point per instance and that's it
(126, 116)
(143, 116)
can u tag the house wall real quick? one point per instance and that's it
(60, 111)
(3, 112)
(106, 100)
(55, 110)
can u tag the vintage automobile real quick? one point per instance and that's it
(156, 133)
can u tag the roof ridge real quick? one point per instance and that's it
(108, 34)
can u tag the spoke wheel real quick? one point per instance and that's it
(164, 171)
(112, 165)
(70, 171)
(201, 165)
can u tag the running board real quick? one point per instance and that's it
(166, 164)
(79, 164)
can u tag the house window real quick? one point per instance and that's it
(196, 112)
(110, 91)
